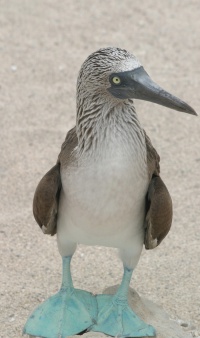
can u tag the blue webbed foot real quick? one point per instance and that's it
(117, 319)
(68, 312)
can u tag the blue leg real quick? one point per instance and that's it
(68, 312)
(116, 318)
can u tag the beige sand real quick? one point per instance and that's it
(42, 45)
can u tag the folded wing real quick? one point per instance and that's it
(159, 212)
(47, 194)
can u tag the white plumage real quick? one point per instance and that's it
(102, 202)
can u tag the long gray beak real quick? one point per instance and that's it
(138, 84)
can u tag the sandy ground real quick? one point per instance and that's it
(42, 46)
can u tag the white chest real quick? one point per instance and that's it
(103, 199)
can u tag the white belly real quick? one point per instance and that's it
(103, 203)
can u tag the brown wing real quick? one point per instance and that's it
(46, 198)
(159, 213)
(158, 202)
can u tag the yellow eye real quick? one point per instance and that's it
(116, 80)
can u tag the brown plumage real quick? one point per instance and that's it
(46, 197)
(46, 200)
(158, 214)
(158, 218)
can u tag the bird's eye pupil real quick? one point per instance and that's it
(116, 80)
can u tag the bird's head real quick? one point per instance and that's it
(115, 74)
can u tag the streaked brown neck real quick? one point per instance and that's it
(101, 122)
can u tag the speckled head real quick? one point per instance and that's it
(110, 59)
(115, 74)
(97, 68)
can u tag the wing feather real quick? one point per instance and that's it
(47, 194)
(159, 212)
(46, 200)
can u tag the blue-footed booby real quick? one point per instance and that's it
(106, 190)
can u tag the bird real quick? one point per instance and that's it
(105, 189)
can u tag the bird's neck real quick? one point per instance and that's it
(103, 124)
